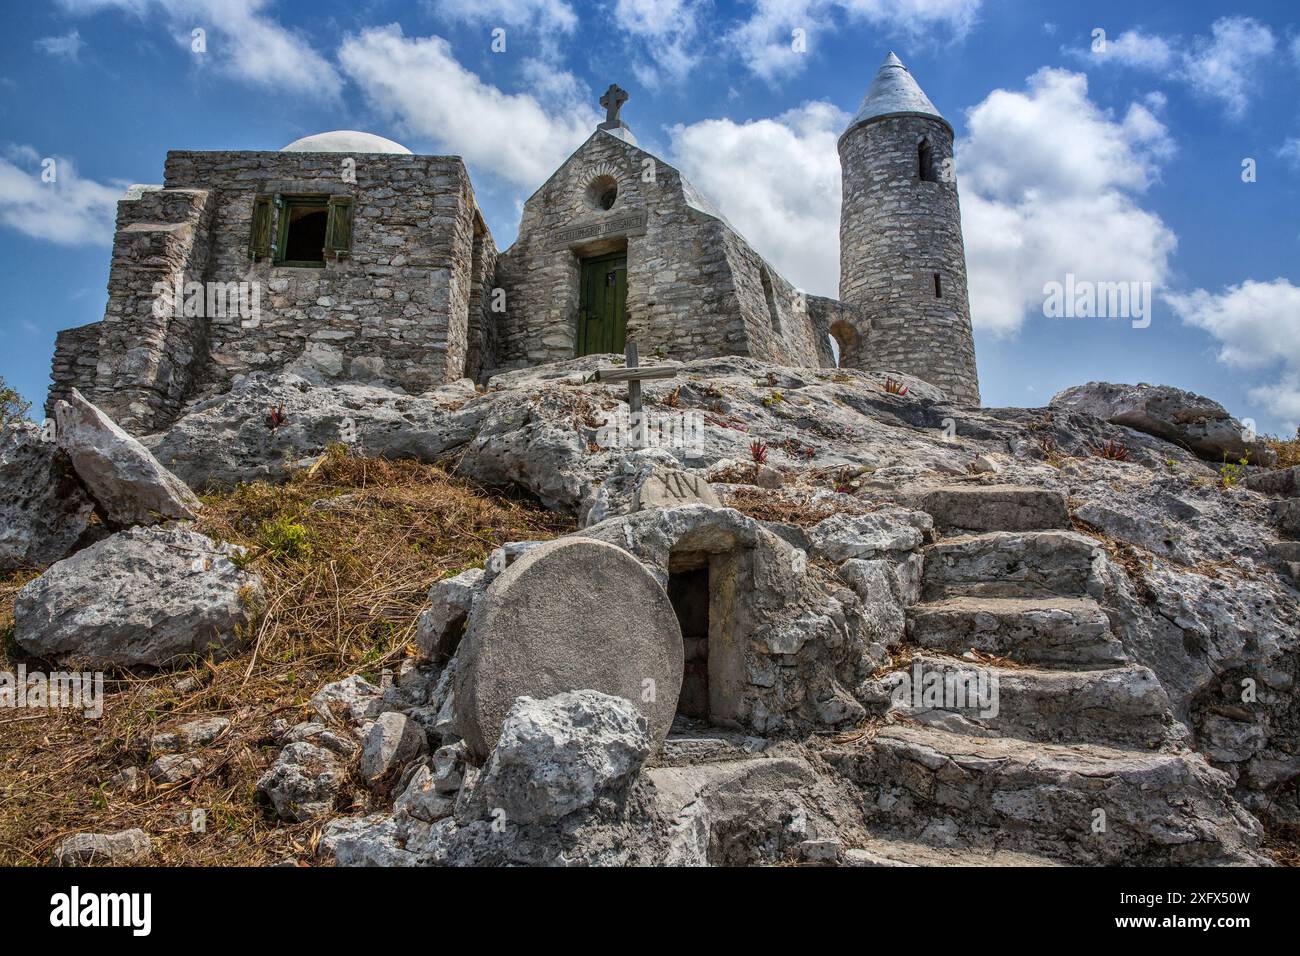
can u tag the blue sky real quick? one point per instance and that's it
(1121, 163)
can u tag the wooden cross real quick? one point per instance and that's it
(613, 101)
(634, 375)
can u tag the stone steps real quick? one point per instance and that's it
(1119, 706)
(1084, 803)
(1009, 564)
(897, 851)
(996, 508)
(1060, 631)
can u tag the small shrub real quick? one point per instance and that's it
(776, 398)
(1231, 474)
(758, 452)
(894, 387)
(12, 405)
(284, 538)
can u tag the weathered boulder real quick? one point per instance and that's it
(128, 846)
(570, 614)
(194, 733)
(303, 783)
(442, 624)
(393, 741)
(1283, 482)
(1191, 421)
(146, 596)
(44, 511)
(125, 479)
(559, 755)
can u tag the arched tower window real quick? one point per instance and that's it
(925, 162)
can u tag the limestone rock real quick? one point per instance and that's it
(145, 596)
(117, 849)
(672, 488)
(364, 841)
(175, 768)
(124, 478)
(195, 733)
(841, 537)
(571, 614)
(442, 624)
(996, 508)
(558, 755)
(1283, 482)
(1184, 418)
(354, 697)
(303, 783)
(394, 740)
(44, 511)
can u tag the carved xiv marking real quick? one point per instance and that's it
(681, 487)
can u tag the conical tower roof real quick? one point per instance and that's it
(894, 93)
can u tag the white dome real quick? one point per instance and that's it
(344, 141)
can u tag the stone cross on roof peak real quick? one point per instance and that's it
(613, 101)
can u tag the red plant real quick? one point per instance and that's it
(1112, 450)
(895, 388)
(758, 451)
(276, 418)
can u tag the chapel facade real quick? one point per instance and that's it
(345, 257)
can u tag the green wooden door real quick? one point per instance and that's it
(602, 314)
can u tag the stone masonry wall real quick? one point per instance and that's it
(896, 233)
(394, 312)
(694, 286)
(482, 332)
(76, 358)
(146, 356)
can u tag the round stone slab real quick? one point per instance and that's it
(570, 614)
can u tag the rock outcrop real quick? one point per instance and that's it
(1184, 418)
(148, 596)
(44, 511)
(127, 481)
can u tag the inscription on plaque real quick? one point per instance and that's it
(620, 226)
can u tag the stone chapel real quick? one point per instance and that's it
(348, 258)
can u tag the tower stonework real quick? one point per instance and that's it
(902, 258)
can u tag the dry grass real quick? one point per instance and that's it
(345, 583)
(1288, 450)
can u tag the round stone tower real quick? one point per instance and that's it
(902, 259)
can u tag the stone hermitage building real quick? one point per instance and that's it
(345, 257)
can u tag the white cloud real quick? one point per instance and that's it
(69, 211)
(418, 83)
(1258, 327)
(242, 40)
(1137, 49)
(546, 14)
(765, 40)
(662, 37)
(68, 44)
(1290, 151)
(1223, 66)
(778, 182)
(1047, 180)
